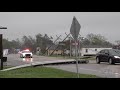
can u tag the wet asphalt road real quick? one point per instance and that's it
(15, 60)
(102, 70)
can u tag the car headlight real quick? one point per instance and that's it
(116, 57)
(23, 54)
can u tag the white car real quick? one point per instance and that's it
(26, 53)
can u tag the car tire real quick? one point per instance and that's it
(111, 61)
(97, 60)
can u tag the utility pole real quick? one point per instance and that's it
(58, 44)
(70, 46)
(79, 46)
(70, 39)
(52, 45)
(1, 51)
(3, 59)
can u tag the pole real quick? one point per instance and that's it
(70, 47)
(1, 52)
(76, 58)
(1, 48)
(58, 44)
(79, 48)
(51, 45)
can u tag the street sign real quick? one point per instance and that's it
(3, 27)
(75, 28)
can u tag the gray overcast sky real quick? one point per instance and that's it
(57, 23)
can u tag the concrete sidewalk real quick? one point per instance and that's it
(43, 63)
(38, 63)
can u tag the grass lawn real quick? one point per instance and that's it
(41, 72)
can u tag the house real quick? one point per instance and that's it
(58, 51)
(89, 50)
(92, 50)
(86, 50)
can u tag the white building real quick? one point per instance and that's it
(5, 52)
(89, 50)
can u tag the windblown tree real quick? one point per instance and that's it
(85, 42)
(39, 40)
(43, 41)
(11, 44)
(96, 39)
(28, 42)
(18, 42)
(117, 45)
(6, 44)
(117, 42)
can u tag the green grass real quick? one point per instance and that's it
(41, 72)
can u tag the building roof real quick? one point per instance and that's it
(95, 46)
(53, 47)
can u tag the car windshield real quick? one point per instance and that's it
(115, 52)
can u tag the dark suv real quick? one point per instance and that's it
(108, 55)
